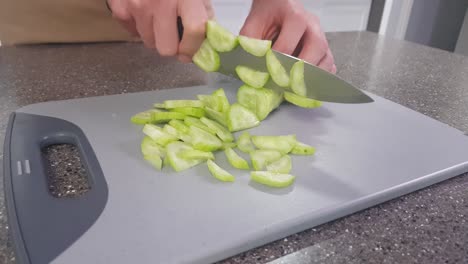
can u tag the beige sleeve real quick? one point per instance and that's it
(58, 21)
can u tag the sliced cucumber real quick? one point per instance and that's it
(180, 126)
(158, 135)
(303, 149)
(256, 47)
(174, 149)
(169, 104)
(217, 116)
(297, 78)
(154, 160)
(196, 154)
(244, 143)
(283, 144)
(191, 121)
(229, 145)
(235, 160)
(219, 173)
(219, 37)
(276, 70)
(149, 147)
(223, 102)
(207, 58)
(283, 165)
(260, 158)
(143, 118)
(261, 101)
(272, 179)
(166, 162)
(158, 105)
(221, 132)
(202, 140)
(301, 101)
(240, 118)
(252, 77)
(190, 111)
(164, 117)
(171, 130)
(210, 101)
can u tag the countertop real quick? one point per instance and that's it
(427, 226)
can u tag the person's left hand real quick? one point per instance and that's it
(296, 31)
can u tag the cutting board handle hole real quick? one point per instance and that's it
(67, 176)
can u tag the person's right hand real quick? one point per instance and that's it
(155, 22)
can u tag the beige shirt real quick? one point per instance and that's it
(58, 21)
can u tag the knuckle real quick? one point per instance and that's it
(137, 4)
(196, 28)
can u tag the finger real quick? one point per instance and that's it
(333, 69)
(121, 13)
(144, 23)
(194, 18)
(314, 47)
(327, 62)
(253, 27)
(290, 35)
(130, 26)
(165, 29)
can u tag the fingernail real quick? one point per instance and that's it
(184, 58)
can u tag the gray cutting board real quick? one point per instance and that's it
(366, 154)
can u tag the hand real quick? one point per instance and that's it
(296, 31)
(155, 22)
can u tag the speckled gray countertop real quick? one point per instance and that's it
(428, 226)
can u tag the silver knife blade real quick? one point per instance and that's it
(321, 85)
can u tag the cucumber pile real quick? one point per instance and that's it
(185, 133)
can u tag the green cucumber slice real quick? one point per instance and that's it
(217, 116)
(180, 126)
(202, 140)
(297, 78)
(260, 158)
(171, 130)
(283, 144)
(149, 147)
(229, 145)
(210, 101)
(276, 70)
(164, 117)
(244, 143)
(166, 162)
(261, 101)
(196, 154)
(283, 165)
(223, 102)
(219, 173)
(207, 58)
(301, 101)
(256, 47)
(272, 179)
(154, 160)
(158, 135)
(235, 160)
(169, 104)
(190, 111)
(191, 121)
(240, 118)
(158, 105)
(221, 132)
(303, 149)
(174, 149)
(252, 77)
(143, 118)
(219, 37)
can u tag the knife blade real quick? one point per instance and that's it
(321, 85)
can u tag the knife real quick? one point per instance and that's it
(321, 85)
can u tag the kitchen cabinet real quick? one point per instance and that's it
(335, 15)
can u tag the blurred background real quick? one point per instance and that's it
(441, 24)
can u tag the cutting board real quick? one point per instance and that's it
(366, 154)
